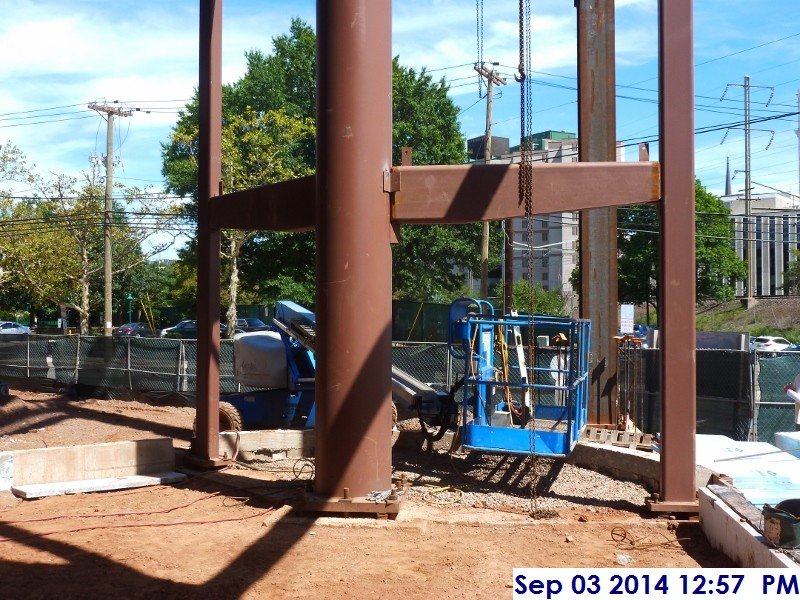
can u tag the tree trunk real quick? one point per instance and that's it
(84, 281)
(233, 284)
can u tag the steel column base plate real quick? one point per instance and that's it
(666, 506)
(358, 506)
(204, 464)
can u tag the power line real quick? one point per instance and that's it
(46, 122)
(788, 37)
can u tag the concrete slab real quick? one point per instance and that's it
(619, 462)
(273, 443)
(41, 490)
(78, 463)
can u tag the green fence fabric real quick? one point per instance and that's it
(739, 394)
(774, 409)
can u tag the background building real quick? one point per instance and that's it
(776, 218)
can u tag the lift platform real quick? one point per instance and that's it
(525, 388)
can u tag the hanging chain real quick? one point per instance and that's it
(526, 198)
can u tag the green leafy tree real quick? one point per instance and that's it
(791, 276)
(428, 262)
(274, 265)
(526, 298)
(718, 267)
(52, 243)
(258, 149)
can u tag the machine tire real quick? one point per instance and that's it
(229, 418)
(434, 427)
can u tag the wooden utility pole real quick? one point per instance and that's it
(110, 111)
(491, 80)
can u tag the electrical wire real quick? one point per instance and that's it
(105, 515)
(134, 526)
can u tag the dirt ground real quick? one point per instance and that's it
(231, 534)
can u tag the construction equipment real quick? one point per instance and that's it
(532, 400)
(280, 367)
(513, 407)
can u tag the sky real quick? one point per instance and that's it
(61, 56)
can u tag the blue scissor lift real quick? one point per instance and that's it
(539, 409)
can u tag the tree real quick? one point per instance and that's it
(536, 299)
(718, 267)
(791, 275)
(274, 265)
(52, 243)
(428, 262)
(258, 149)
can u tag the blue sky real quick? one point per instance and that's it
(59, 56)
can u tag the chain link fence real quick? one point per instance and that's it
(773, 409)
(739, 394)
(105, 365)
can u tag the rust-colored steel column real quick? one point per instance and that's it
(677, 278)
(598, 227)
(205, 448)
(354, 287)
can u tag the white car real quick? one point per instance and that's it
(769, 343)
(12, 327)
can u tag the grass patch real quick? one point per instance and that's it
(723, 320)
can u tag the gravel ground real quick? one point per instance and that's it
(495, 482)
(503, 482)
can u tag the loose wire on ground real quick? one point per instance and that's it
(625, 539)
(135, 525)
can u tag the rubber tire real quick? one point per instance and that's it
(229, 418)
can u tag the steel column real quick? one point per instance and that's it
(205, 448)
(677, 258)
(598, 227)
(354, 287)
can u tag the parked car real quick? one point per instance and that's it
(187, 330)
(134, 330)
(12, 327)
(769, 343)
(179, 328)
(251, 324)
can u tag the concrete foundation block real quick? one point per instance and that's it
(733, 536)
(78, 463)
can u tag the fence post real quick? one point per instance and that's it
(182, 376)
(28, 356)
(77, 359)
(130, 382)
(449, 365)
(755, 394)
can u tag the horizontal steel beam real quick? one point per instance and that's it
(452, 194)
(470, 193)
(284, 206)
